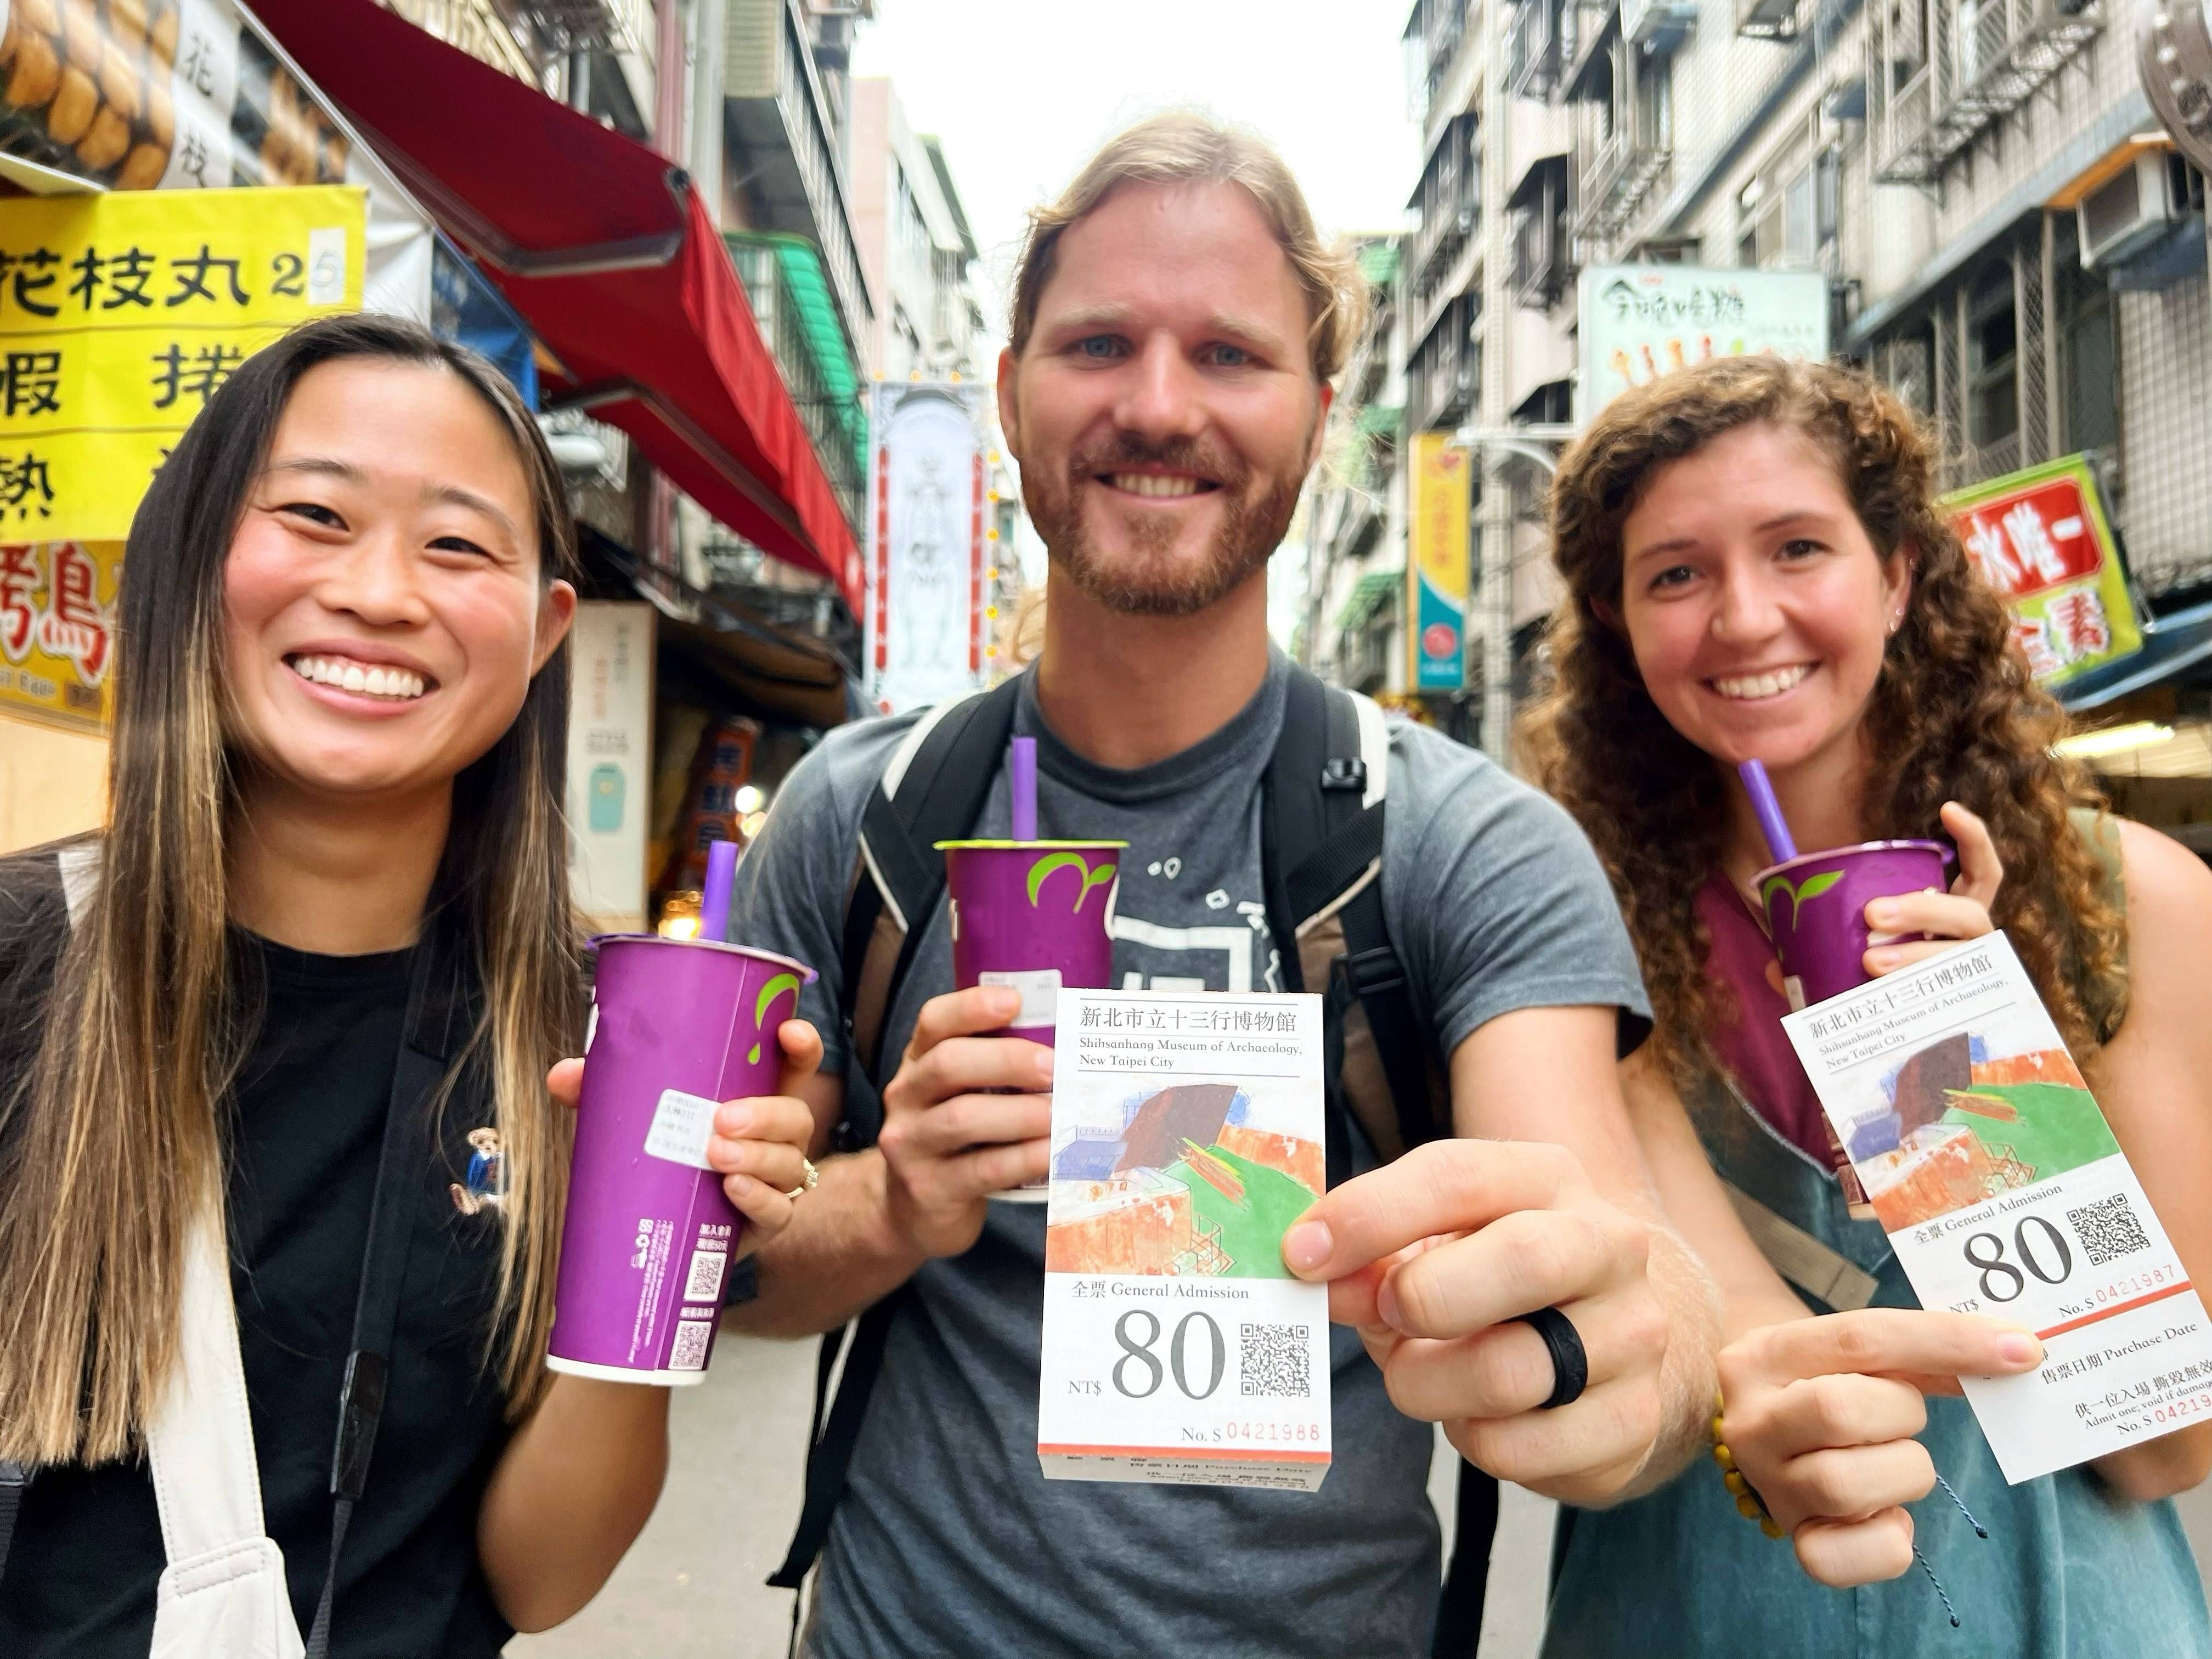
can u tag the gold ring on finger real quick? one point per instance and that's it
(808, 1181)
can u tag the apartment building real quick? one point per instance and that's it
(2010, 237)
(1352, 629)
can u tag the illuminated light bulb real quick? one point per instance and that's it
(749, 799)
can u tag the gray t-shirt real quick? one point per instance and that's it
(950, 1543)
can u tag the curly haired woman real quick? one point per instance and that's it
(1755, 566)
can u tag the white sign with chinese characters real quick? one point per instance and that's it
(1992, 1170)
(1188, 1134)
(1637, 322)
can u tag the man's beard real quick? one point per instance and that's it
(1148, 580)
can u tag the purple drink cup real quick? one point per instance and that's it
(677, 1026)
(1816, 910)
(1035, 915)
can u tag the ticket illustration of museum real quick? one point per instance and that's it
(1195, 1179)
(1959, 1122)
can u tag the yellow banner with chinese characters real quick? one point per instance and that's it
(57, 631)
(120, 316)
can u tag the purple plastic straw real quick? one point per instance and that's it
(1771, 821)
(1021, 767)
(714, 900)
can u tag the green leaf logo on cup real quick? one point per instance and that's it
(1047, 865)
(1814, 887)
(770, 992)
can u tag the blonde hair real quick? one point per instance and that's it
(1183, 146)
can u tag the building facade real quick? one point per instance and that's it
(2010, 239)
(1352, 631)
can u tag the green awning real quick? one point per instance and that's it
(800, 263)
(1369, 595)
(1378, 262)
(1378, 417)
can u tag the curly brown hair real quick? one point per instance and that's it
(1955, 714)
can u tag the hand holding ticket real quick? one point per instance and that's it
(1990, 1164)
(1822, 1416)
(1437, 1257)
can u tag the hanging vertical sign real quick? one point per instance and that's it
(610, 759)
(925, 587)
(2039, 538)
(1438, 571)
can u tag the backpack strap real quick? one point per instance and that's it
(1321, 843)
(933, 790)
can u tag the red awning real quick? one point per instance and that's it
(604, 247)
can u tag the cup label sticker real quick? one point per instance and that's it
(1040, 989)
(682, 1124)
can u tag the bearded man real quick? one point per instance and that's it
(1176, 321)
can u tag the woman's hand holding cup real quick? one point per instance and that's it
(759, 1145)
(1945, 918)
(1821, 1416)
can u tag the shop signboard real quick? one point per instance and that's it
(1439, 570)
(926, 588)
(611, 664)
(192, 95)
(2040, 538)
(122, 315)
(57, 631)
(1636, 322)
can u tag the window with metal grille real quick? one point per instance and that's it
(1993, 357)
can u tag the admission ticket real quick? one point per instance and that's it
(2003, 1192)
(1188, 1134)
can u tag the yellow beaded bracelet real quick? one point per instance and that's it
(1748, 1503)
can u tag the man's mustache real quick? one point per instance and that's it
(1126, 452)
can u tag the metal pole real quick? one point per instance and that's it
(1494, 447)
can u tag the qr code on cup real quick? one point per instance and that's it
(704, 1282)
(690, 1351)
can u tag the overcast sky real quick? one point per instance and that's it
(1022, 91)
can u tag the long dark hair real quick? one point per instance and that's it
(114, 1131)
(1955, 714)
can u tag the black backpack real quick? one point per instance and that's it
(1321, 859)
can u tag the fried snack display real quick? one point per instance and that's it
(91, 87)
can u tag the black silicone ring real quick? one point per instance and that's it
(1570, 1363)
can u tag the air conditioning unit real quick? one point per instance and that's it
(1657, 25)
(2134, 208)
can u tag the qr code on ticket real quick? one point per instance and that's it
(2108, 1230)
(1276, 1360)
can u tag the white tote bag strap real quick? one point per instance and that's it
(222, 1594)
(201, 1440)
(224, 1591)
